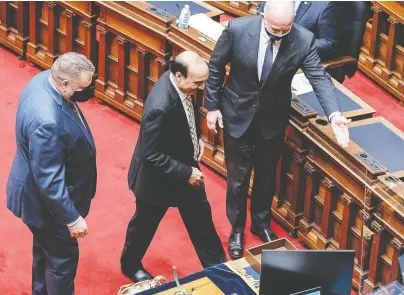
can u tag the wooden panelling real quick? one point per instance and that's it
(288, 204)
(59, 27)
(236, 8)
(14, 26)
(388, 226)
(342, 206)
(382, 53)
(133, 54)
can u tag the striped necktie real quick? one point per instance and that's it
(76, 112)
(192, 127)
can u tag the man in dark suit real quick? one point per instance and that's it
(53, 177)
(164, 171)
(320, 18)
(265, 53)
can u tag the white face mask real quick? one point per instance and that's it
(274, 36)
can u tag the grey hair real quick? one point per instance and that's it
(70, 65)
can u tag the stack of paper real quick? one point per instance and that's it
(206, 26)
(300, 84)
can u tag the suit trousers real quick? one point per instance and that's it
(243, 154)
(55, 260)
(197, 217)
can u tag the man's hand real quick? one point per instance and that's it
(212, 118)
(201, 149)
(339, 125)
(79, 229)
(196, 178)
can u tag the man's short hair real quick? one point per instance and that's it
(70, 65)
(179, 65)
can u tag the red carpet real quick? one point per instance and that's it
(115, 136)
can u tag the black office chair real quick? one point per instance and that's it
(354, 15)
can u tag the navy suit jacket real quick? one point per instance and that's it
(320, 18)
(53, 176)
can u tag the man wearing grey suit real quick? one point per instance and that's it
(253, 106)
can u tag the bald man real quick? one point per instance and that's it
(253, 106)
(165, 172)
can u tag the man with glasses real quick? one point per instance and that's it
(164, 171)
(253, 107)
(53, 176)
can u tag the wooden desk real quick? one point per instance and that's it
(59, 27)
(339, 204)
(388, 228)
(288, 204)
(382, 52)
(14, 26)
(133, 53)
(174, 8)
(236, 8)
(201, 286)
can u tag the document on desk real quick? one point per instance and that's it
(206, 26)
(300, 84)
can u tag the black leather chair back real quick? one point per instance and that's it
(354, 15)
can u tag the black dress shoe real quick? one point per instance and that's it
(138, 275)
(236, 245)
(265, 235)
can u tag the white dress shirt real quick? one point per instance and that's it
(262, 49)
(263, 44)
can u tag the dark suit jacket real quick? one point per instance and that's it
(53, 176)
(320, 18)
(163, 158)
(244, 95)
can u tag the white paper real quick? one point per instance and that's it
(206, 26)
(300, 84)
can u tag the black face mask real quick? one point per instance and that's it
(274, 37)
(82, 96)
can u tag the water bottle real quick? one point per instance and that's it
(184, 17)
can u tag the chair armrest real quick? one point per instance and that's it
(335, 63)
(339, 62)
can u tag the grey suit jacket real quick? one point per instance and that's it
(244, 95)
